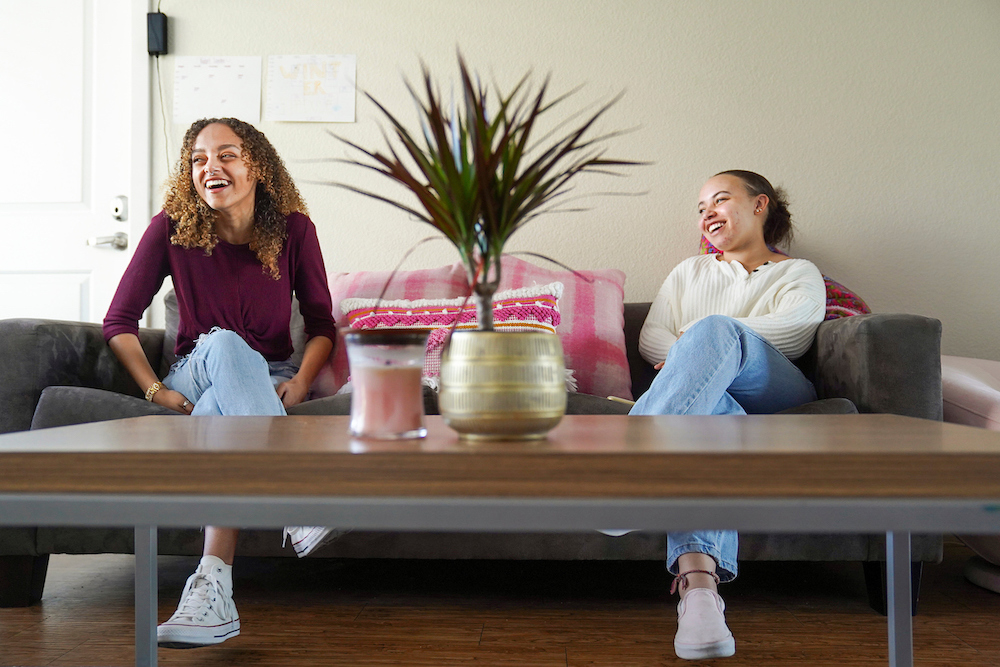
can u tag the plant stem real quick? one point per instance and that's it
(484, 305)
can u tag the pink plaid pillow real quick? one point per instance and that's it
(525, 309)
(445, 282)
(592, 323)
(591, 327)
(840, 301)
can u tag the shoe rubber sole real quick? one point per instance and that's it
(720, 649)
(181, 642)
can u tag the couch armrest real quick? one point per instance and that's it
(35, 354)
(889, 363)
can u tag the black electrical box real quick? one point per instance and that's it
(156, 33)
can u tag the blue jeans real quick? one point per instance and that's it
(225, 376)
(721, 367)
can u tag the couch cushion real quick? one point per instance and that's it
(576, 404)
(585, 404)
(64, 406)
(825, 406)
(340, 404)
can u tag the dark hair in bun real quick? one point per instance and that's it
(778, 223)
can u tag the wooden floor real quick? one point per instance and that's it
(319, 612)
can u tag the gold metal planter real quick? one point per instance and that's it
(501, 386)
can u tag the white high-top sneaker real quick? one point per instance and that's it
(307, 539)
(206, 614)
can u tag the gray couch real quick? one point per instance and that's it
(59, 373)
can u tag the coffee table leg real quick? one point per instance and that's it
(145, 596)
(899, 606)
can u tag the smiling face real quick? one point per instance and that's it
(730, 218)
(221, 175)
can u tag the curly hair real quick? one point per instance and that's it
(778, 223)
(274, 198)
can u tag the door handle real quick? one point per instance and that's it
(119, 241)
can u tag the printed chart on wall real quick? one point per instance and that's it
(311, 88)
(216, 87)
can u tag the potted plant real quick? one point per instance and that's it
(478, 174)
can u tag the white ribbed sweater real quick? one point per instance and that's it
(782, 301)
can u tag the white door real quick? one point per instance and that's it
(74, 119)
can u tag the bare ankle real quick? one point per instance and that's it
(695, 570)
(688, 579)
(699, 580)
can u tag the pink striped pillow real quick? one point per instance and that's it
(525, 309)
(445, 282)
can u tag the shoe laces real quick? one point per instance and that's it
(203, 593)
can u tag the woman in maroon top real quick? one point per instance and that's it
(234, 237)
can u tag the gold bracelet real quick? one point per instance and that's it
(153, 388)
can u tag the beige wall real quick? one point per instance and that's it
(880, 118)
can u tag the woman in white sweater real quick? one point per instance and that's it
(723, 331)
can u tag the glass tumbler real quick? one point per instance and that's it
(387, 402)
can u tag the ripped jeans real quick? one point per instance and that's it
(721, 367)
(225, 376)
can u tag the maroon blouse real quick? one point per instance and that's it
(229, 288)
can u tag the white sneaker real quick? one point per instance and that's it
(701, 627)
(982, 573)
(616, 532)
(206, 614)
(307, 539)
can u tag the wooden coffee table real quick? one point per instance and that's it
(787, 473)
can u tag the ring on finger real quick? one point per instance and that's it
(185, 403)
